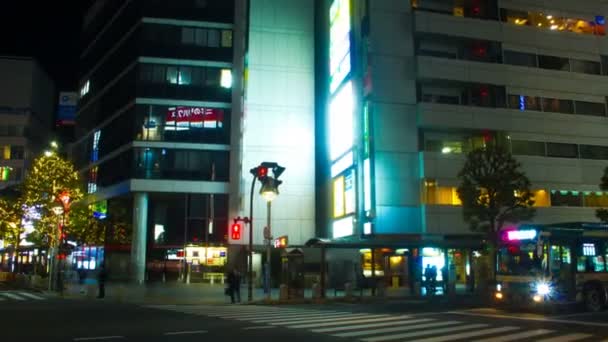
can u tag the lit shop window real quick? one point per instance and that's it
(544, 20)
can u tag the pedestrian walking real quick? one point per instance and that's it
(433, 279)
(234, 286)
(101, 281)
(427, 277)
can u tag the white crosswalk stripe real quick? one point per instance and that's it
(370, 327)
(19, 296)
(469, 334)
(30, 295)
(11, 296)
(374, 325)
(423, 333)
(396, 329)
(566, 338)
(517, 336)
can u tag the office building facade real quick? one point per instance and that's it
(174, 110)
(412, 86)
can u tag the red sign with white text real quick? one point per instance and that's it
(195, 116)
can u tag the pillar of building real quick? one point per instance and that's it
(138, 243)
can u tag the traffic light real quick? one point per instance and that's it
(235, 231)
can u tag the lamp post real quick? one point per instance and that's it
(57, 209)
(269, 190)
(60, 207)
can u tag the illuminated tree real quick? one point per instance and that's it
(11, 227)
(49, 175)
(602, 214)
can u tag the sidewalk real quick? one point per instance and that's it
(193, 294)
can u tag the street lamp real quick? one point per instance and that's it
(269, 191)
(60, 208)
(57, 209)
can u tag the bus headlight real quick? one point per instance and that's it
(543, 289)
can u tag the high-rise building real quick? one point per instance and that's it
(412, 86)
(178, 101)
(27, 101)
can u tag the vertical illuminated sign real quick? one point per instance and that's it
(341, 124)
(339, 43)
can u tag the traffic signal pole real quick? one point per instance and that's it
(250, 252)
(268, 251)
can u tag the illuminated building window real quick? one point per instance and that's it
(226, 78)
(437, 195)
(547, 21)
(5, 173)
(6, 152)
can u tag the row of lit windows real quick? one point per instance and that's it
(551, 22)
(539, 19)
(465, 144)
(442, 195)
(186, 75)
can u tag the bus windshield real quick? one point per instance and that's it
(519, 259)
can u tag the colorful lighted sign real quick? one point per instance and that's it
(515, 235)
(339, 43)
(343, 227)
(281, 242)
(194, 117)
(341, 126)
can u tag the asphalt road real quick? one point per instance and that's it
(48, 319)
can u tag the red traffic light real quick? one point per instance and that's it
(262, 172)
(235, 231)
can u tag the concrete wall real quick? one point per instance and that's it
(278, 121)
(395, 131)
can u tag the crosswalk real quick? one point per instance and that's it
(369, 327)
(19, 296)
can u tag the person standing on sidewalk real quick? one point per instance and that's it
(234, 285)
(101, 281)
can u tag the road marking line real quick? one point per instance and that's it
(97, 338)
(269, 313)
(192, 332)
(351, 321)
(566, 338)
(261, 327)
(332, 319)
(316, 318)
(394, 329)
(11, 295)
(268, 318)
(373, 325)
(29, 295)
(424, 332)
(540, 319)
(517, 336)
(468, 334)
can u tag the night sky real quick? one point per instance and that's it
(46, 30)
